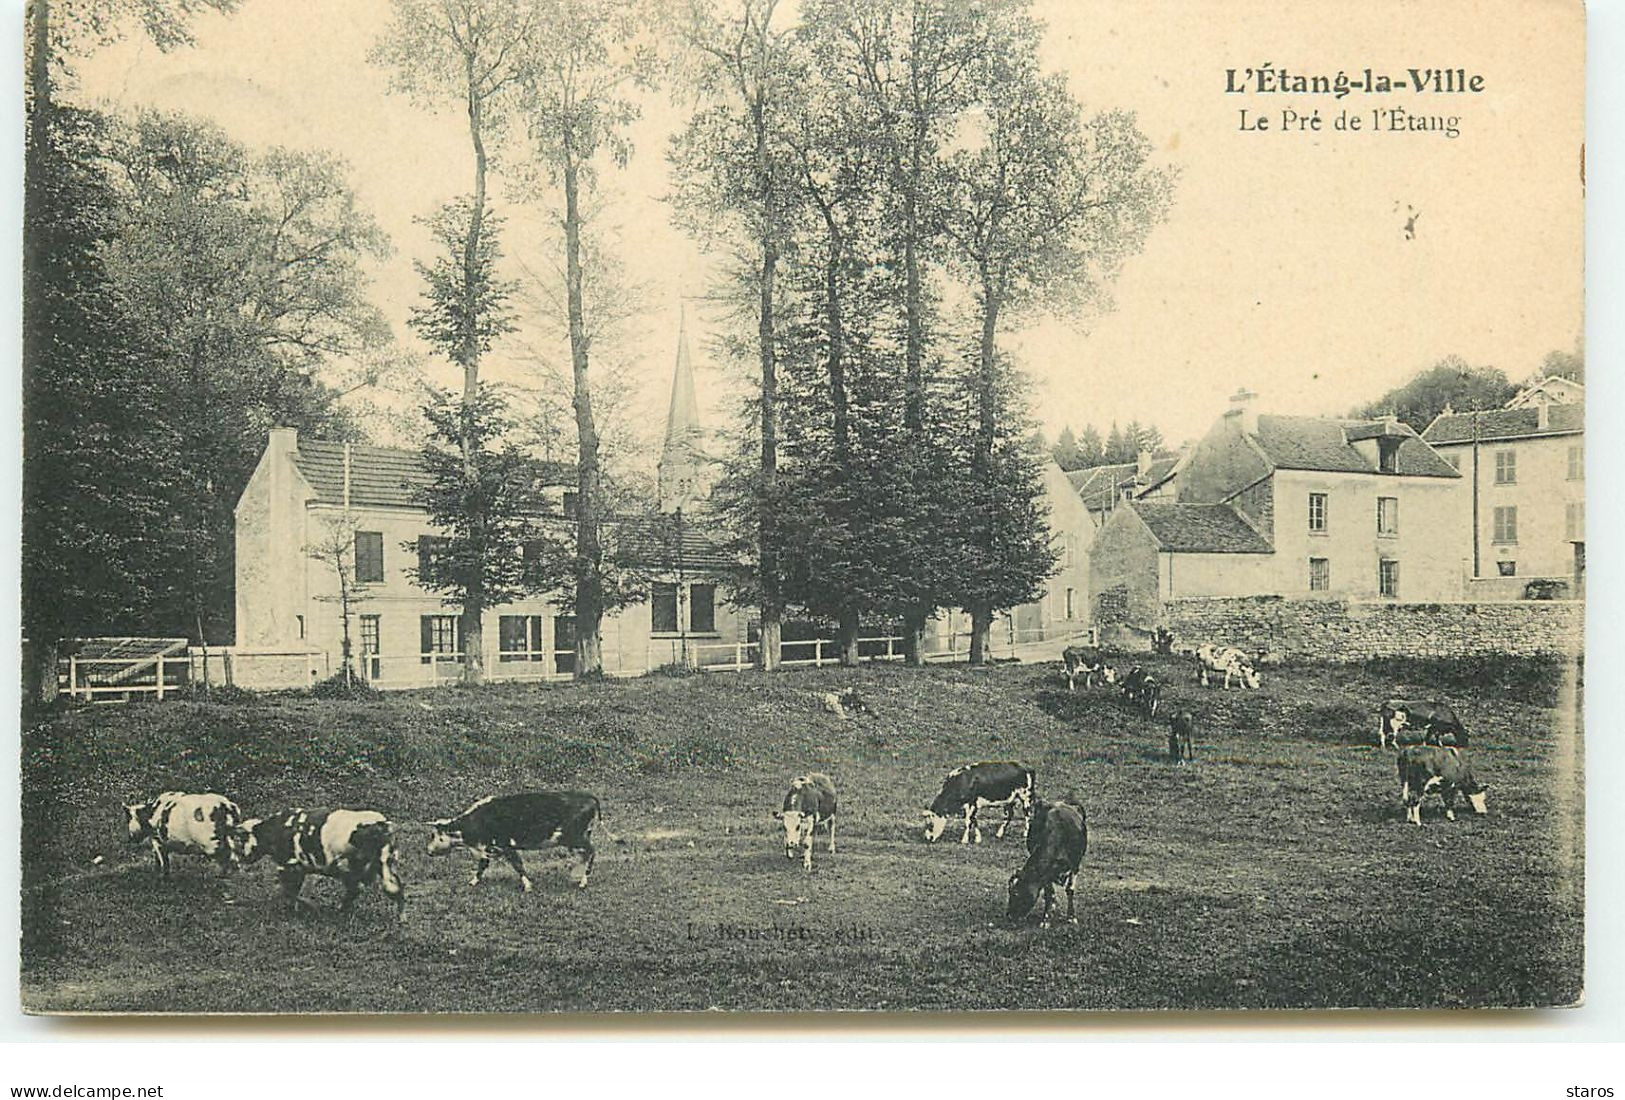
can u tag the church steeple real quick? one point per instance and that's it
(680, 459)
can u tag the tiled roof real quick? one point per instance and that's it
(382, 477)
(1317, 443)
(1496, 424)
(1099, 485)
(657, 542)
(1201, 528)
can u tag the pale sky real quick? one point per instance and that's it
(1283, 266)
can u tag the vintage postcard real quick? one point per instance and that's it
(917, 506)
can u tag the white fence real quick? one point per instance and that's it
(124, 678)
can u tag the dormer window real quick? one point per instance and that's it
(1388, 455)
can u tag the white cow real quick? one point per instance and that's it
(1212, 659)
(190, 824)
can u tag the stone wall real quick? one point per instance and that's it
(1352, 630)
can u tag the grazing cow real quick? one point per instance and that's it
(1089, 662)
(1143, 690)
(1055, 849)
(809, 803)
(1162, 640)
(1430, 768)
(503, 825)
(191, 824)
(1436, 721)
(974, 787)
(1235, 664)
(1182, 736)
(353, 846)
(844, 703)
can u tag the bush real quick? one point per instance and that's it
(341, 686)
(674, 669)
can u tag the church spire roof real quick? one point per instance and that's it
(681, 463)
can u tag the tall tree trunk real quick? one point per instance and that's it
(473, 616)
(589, 601)
(768, 650)
(40, 686)
(39, 72)
(847, 636)
(981, 630)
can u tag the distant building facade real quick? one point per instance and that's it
(1290, 506)
(1525, 469)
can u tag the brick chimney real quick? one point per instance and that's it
(1142, 463)
(284, 441)
(1543, 415)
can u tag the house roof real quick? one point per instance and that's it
(1318, 443)
(659, 543)
(382, 477)
(1498, 424)
(1099, 485)
(1201, 529)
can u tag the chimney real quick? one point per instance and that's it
(284, 441)
(1142, 463)
(1543, 415)
(1243, 411)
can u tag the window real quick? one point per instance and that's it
(663, 608)
(369, 557)
(1388, 456)
(371, 637)
(1320, 574)
(1574, 521)
(1387, 515)
(702, 608)
(430, 547)
(442, 638)
(1577, 462)
(1071, 603)
(519, 638)
(1388, 577)
(1506, 568)
(564, 643)
(1506, 467)
(301, 619)
(1317, 512)
(1506, 524)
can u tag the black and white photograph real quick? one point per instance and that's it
(875, 507)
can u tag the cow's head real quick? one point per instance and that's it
(443, 838)
(1477, 801)
(1108, 673)
(935, 823)
(1023, 896)
(135, 820)
(1249, 676)
(245, 841)
(798, 827)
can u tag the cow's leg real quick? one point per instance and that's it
(1009, 816)
(222, 856)
(291, 879)
(806, 851)
(352, 889)
(1071, 917)
(970, 823)
(160, 858)
(482, 860)
(1049, 903)
(518, 865)
(1026, 813)
(1447, 795)
(585, 853)
(831, 824)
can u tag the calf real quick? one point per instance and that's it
(809, 803)
(1055, 849)
(1142, 689)
(353, 846)
(1437, 722)
(1234, 663)
(973, 787)
(844, 703)
(1088, 662)
(190, 824)
(503, 825)
(1182, 736)
(1427, 768)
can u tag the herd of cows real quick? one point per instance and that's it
(358, 846)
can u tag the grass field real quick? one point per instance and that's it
(1275, 872)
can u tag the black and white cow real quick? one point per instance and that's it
(1235, 664)
(973, 787)
(505, 825)
(1055, 849)
(1430, 722)
(809, 803)
(1425, 769)
(188, 824)
(1182, 736)
(1142, 689)
(1088, 662)
(353, 846)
